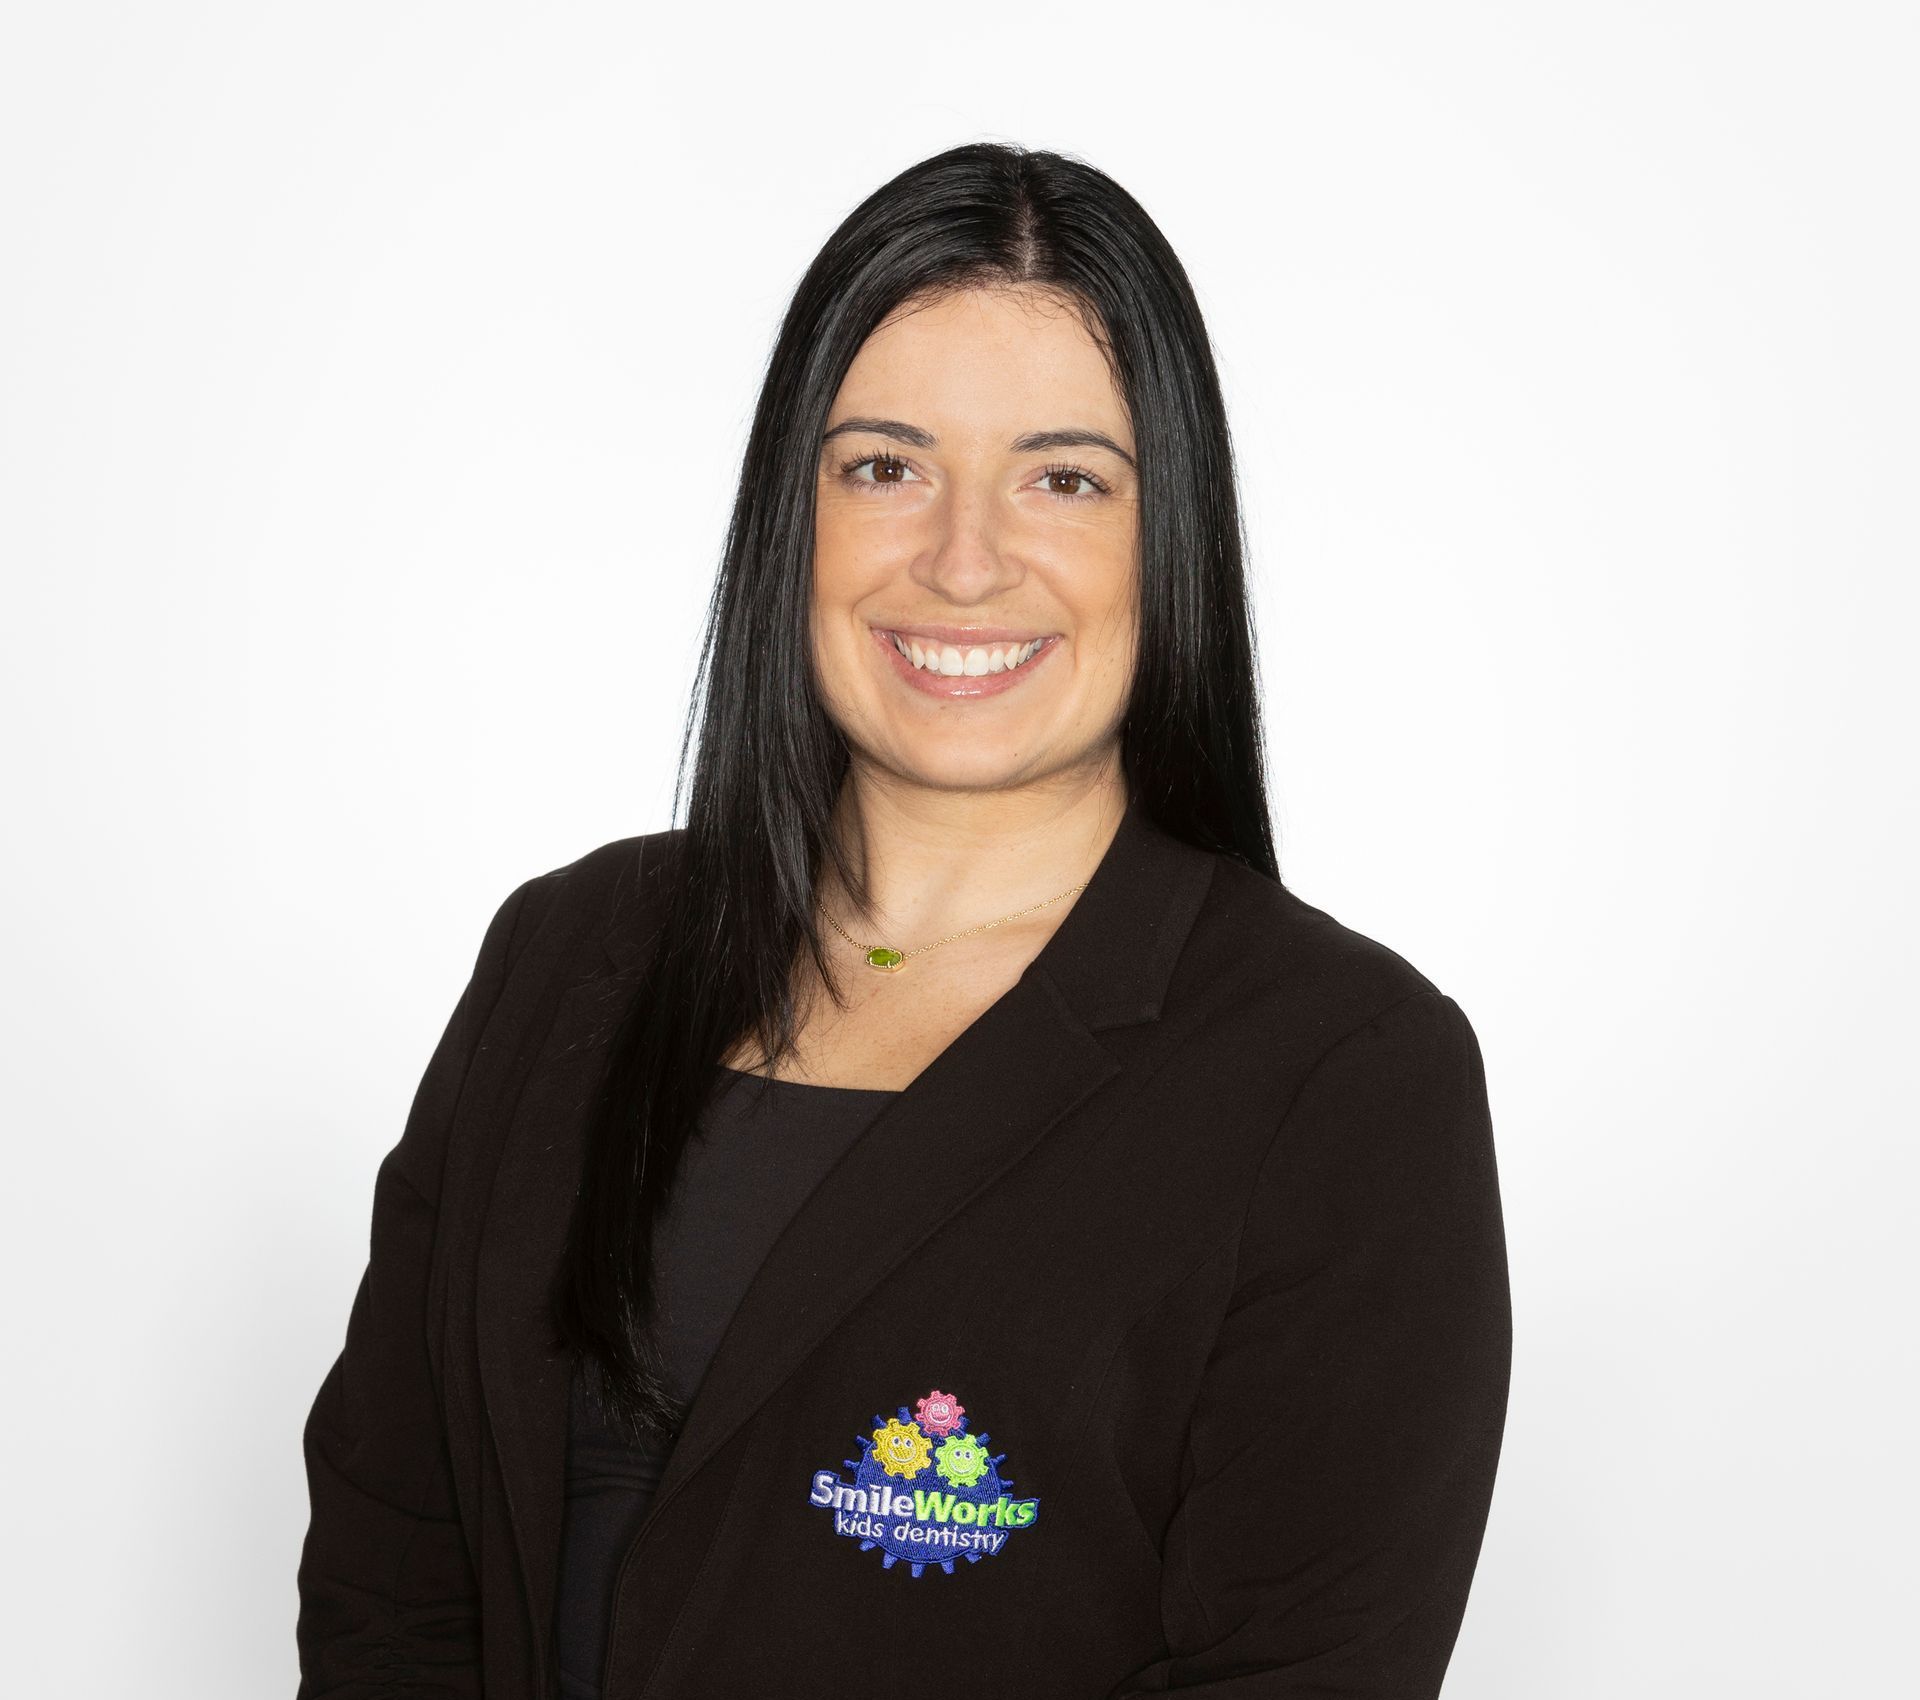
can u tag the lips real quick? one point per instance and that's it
(978, 661)
(955, 659)
(962, 636)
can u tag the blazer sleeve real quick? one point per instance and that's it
(1343, 1447)
(388, 1603)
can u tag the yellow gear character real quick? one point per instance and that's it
(901, 1449)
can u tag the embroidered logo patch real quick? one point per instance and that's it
(925, 1490)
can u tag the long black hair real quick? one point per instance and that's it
(770, 762)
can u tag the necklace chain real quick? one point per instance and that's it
(890, 960)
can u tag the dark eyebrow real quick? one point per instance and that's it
(900, 431)
(1073, 438)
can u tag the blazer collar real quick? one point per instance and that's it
(1107, 964)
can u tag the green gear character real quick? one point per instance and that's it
(961, 1460)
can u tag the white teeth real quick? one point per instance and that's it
(952, 663)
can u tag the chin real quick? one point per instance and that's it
(962, 770)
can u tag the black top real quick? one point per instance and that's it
(761, 1147)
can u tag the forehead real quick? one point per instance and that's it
(987, 361)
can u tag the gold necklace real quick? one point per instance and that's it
(890, 961)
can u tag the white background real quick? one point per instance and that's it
(373, 381)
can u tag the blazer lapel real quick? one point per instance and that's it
(982, 1104)
(525, 1370)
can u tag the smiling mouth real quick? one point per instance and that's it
(931, 655)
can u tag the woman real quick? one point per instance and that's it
(948, 1214)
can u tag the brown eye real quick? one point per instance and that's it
(1067, 476)
(878, 469)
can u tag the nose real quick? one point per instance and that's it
(968, 556)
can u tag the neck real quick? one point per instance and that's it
(932, 861)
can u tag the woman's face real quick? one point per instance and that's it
(978, 507)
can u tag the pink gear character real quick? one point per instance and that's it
(939, 1413)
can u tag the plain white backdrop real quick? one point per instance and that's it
(372, 380)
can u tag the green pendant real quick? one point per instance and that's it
(887, 961)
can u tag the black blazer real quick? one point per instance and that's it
(1155, 1339)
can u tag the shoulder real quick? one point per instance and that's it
(1303, 980)
(1378, 1085)
(603, 896)
(604, 873)
(1287, 948)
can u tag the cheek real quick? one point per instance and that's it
(841, 587)
(1104, 604)
(831, 553)
(851, 555)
